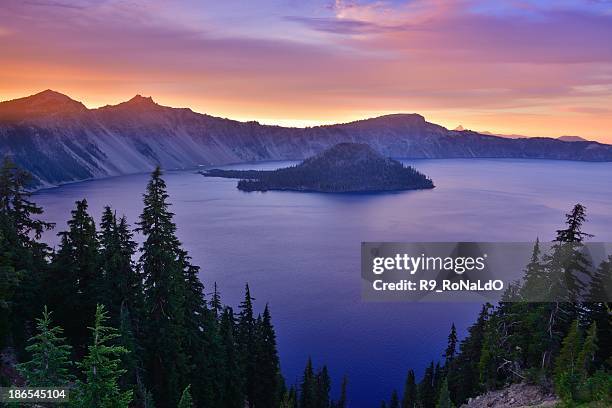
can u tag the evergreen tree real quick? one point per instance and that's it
(464, 375)
(186, 400)
(566, 376)
(535, 283)
(246, 333)
(342, 401)
(308, 387)
(586, 357)
(394, 401)
(215, 302)
(232, 377)
(267, 364)
(76, 278)
(23, 260)
(566, 268)
(101, 369)
(444, 400)
(50, 363)
(166, 361)
(427, 391)
(322, 388)
(599, 312)
(289, 399)
(410, 398)
(122, 285)
(451, 348)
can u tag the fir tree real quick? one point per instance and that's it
(289, 399)
(535, 283)
(444, 400)
(101, 369)
(394, 401)
(410, 398)
(267, 364)
(322, 388)
(166, 362)
(76, 277)
(50, 363)
(186, 400)
(232, 377)
(427, 391)
(308, 387)
(599, 312)
(566, 378)
(451, 348)
(215, 302)
(246, 336)
(342, 401)
(464, 376)
(586, 357)
(22, 257)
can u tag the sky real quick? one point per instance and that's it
(529, 67)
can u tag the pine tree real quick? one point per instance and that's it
(186, 400)
(535, 285)
(322, 388)
(566, 268)
(101, 369)
(342, 401)
(122, 286)
(586, 357)
(76, 277)
(166, 361)
(394, 401)
(50, 363)
(246, 336)
(444, 400)
(427, 391)
(410, 398)
(267, 364)
(215, 302)
(566, 370)
(464, 376)
(22, 256)
(308, 387)
(289, 399)
(451, 348)
(598, 311)
(232, 376)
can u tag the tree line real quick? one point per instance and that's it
(563, 344)
(128, 325)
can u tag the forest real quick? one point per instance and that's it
(128, 325)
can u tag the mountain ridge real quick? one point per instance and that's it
(60, 140)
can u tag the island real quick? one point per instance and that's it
(343, 168)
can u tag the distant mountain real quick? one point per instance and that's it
(343, 168)
(460, 128)
(59, 140)
(572, 139)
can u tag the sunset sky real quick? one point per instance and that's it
(509, 66)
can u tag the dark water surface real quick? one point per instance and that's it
(300, 251)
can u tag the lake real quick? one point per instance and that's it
(300, 252)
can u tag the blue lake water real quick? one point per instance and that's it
(301, 251)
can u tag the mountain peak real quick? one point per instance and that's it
(47, 102)
(459, 128)
(141, 100)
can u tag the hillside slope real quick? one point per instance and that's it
(60, 140)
